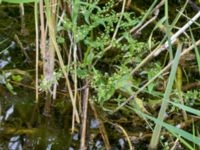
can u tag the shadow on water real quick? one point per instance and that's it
(23, 126)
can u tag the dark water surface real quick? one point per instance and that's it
(23, 125)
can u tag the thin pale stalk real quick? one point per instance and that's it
(37, 53)
(125, 134)
(75, 73)
(151, 55)
(148, 22)
(61, 62)
(84, 119)
(42, 29)
(120, 18)
(179, 32)
(149, 12)
(168, 30)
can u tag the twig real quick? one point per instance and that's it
(179, 32)
(125, 134)
(148, 22)
(193, 5)
(61, 63)
(149, 12)
(118, 24)
(158, 50)
(167, 67)
(42, 29)
(24, 30)
(190, 86)
(188, 18)
(84, 119)
(128, 4)
(22, 47)
(156, 12)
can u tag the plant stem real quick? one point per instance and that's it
(37, 53)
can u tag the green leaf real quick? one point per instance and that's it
(19, 1)
(10, 88)
(17, 78)
(140, 105)
(164, 105)
(124, 84)
(82, 73)
(196, 50)
(60, 40)
(88, 56)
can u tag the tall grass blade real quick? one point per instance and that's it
(196, 50)
(173, 129)
(157, 129)
(186, 108)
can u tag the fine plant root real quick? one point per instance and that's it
(131, 147)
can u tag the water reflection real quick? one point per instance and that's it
(14, 143)
(9, 112)
(24, 127)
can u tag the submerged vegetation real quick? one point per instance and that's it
(106, 74)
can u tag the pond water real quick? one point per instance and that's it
(23, 126)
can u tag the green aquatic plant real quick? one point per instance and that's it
(101, 50)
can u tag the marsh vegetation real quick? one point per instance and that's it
(99, 74)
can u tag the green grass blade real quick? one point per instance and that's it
(186, 108)
(196, 50)
(157, 129)
(183, 141)
(173, 129)
(20, 1)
